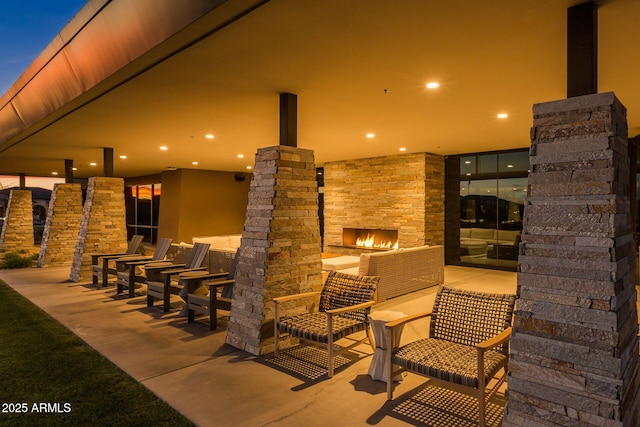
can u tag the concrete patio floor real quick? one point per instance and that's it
(214, 384)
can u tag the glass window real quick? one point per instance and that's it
(491, 209)
(514, 162)
(487, 163)
(467, 166)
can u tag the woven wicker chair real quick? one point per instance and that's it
(469, 333)
(345, 302)
(100, 262)
(130, 268)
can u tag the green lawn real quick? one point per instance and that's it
(56, 379)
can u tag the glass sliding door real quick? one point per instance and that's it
(493, 188)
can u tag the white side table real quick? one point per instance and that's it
(378, 367)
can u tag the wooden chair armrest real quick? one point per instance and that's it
(135, 262)
(173, 271)
(217, 283)
(152, 266)
(279, 300)
(204, 275)
(493, 342)
(351, 308)
(404, 320)
(111, 256)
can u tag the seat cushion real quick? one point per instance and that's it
(313, 326)
(456, 363)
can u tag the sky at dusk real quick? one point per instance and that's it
(26, 28)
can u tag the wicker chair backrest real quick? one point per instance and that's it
(343, 290)
(468, 317)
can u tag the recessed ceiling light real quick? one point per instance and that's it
(241, 156)
(468, 174)
(164, 147)
(509, 166)
(194, 163)
(209, 136)
(123, 157)
(433, 85)
(503, 115)
(74, 169)
(403, 149)
(249, 167)
(371, 135)
(54, 173)
(93, 164)
(467, 162)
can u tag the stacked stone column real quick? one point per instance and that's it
(103, 227)
(17, 230)
(280, 250)
(574, 349)
(62, 226)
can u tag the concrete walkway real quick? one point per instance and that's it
(214, 384)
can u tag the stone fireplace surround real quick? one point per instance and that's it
(380, 239)
(401, 192)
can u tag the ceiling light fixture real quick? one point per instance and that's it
(249, 167)
(93, 164)
(194, 163)
(54, 173)
(371, 135)
(123, 157)
(403, 149)
(503, 115)
(164, 147)
(209, 136)
(509, 166)
(74, 169)
(241, 156)
(433, 85)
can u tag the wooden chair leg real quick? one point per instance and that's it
(481, 389)
(275, 329)
(149, 301)
(166, 306)
(213, 310)
(330, 344)
(132, 281)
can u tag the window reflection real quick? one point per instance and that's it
(491, 209)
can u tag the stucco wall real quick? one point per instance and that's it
(202, 203)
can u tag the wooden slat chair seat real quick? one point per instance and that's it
(130, 269)
(205, 299)
(469, 333)
(100, 262)
(344, 304)
(159, 275)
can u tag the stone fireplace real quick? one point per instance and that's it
(374, 238)
(404, 193)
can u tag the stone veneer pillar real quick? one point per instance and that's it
(17, 230)
(103, 226)
(574, 349)
(62, 226)
(280, 249)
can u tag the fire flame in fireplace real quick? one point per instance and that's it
(370, 242)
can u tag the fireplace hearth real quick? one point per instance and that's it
(371, 238)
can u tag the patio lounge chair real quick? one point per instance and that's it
(159, 275)
(469, 334)
(204, 301)
(345, 302)
(130, 269)
(100, 262)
